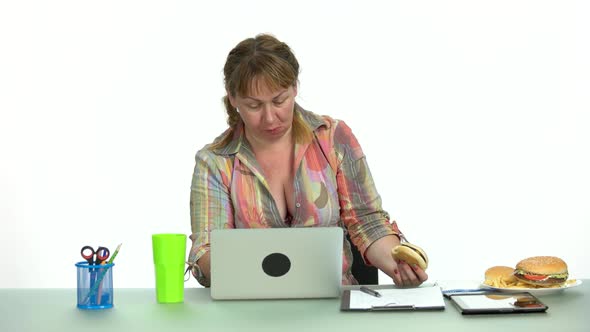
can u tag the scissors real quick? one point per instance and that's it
(95, 257)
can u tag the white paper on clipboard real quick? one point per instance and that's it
(421, 298)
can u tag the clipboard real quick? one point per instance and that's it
(394, 299)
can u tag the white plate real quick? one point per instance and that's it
(536, 291)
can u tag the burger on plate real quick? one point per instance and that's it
(544, 271)
(499, 276)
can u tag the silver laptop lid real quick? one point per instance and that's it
(266, 263)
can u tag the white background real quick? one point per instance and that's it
(474, 116)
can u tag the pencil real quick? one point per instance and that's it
(115, 253)
(96, 286)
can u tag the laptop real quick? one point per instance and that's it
(276, 263)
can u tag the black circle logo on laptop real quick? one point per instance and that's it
(276, 264)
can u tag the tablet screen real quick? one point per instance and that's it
(498, 303)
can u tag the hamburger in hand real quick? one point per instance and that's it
(411, 254)
(544, 271)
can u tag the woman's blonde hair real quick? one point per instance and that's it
(254, 60)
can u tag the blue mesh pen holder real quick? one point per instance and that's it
(95, 286)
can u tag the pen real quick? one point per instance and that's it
(465, 290)
(450, 292)
(370, 291)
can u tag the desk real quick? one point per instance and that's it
(137, 310)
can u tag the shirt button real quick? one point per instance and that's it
(297, 205)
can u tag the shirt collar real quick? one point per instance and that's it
(239, 141)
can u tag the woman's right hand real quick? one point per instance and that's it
(408, 276)
(403, 275)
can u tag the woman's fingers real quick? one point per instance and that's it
(421, 274)
(410, 276)
(397, 276)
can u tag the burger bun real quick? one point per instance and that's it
(411, 254)
(499, 273)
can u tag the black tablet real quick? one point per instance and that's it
(497, 303)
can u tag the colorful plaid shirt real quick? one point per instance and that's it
(333, 187)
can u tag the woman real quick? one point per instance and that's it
(279, 165)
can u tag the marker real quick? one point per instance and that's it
(370, 291)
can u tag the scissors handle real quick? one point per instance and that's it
(102, 254)
(88, 254)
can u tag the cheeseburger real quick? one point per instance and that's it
(411, 254)
(544, 271)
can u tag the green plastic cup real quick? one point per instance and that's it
(169, 256)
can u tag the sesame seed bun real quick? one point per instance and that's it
(542, 265)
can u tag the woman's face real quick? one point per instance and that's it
(267, 114)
